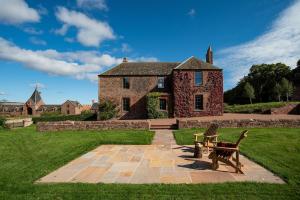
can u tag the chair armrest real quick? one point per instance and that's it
(226, 148)
(211, 136)
(198, 134)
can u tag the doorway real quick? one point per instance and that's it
(29, 110)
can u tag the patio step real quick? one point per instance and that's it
(163, 126)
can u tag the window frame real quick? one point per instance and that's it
(159, 81)
(195, 102)
(123, 107)
(195, 78)
(126, 83)
(166, 104)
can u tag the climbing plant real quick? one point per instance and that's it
(153, 106)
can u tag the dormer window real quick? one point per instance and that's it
(198, 78)
(161, 82)
(126, 83)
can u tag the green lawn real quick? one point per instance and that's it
(26, 155)
(255, 107)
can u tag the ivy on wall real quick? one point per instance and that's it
(153, 106)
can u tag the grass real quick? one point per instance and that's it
(26, 155)
(254, 108)
(277, 149)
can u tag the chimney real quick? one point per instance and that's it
(125, 60)
(209, 55)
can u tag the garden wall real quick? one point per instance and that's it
(244, 123)
(92, 125)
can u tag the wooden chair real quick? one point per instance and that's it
(210, 137)
(224, 152)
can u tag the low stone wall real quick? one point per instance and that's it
(244, 123)
(92, 125)
(288, 109)
(15, 123)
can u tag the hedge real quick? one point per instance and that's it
(82, 117)
(2, 121)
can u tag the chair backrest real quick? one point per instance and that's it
(212, 129)
(242, 136)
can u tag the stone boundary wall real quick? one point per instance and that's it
(92, 125)
(243, 123)
(15, 123)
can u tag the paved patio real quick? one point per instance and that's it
(161, 162)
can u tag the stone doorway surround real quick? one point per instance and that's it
(161, 162)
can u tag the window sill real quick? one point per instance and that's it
(196, 110)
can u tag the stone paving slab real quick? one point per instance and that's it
(161, 162)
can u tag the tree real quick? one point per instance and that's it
(107, 110)
(263, 79)
(286, 88)
(249, 91)
(277, 91)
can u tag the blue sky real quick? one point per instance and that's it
(62, 45)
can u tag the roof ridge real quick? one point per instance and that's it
(184, 62)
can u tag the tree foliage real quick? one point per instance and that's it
(2, 121)
(107, 110)
(286, 88)
(249, 91)
(153, 105)
(263, 79)
(277, 90)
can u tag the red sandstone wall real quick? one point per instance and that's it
(92, 125)
(112, 88)
(184, 90)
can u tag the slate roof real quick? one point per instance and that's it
(35, 97)
(141, 68)
(195, 63)
(8, 103)
(157, 68)
(75, 103)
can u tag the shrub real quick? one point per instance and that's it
(48, 114)
(82, 117)
(107, 110)
(152, 106)
(2, 121)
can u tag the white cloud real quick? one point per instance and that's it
(2, 93)
(126, 48)
(17, 12)
(92, 4)
(32, 31)
(42, 10)
(281, 43)
(91, 32)
(69, 39)
(37, 41)
(192, 12)
(78, 64)
(63, 30)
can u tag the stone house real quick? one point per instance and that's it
(71, 108)
(34, 106)
(191, 88)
